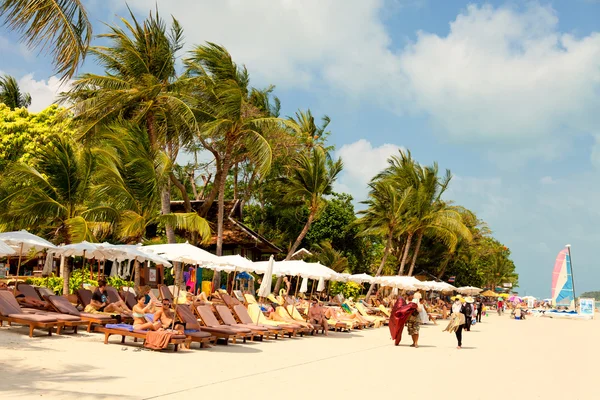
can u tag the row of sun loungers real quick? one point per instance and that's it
(235, 322)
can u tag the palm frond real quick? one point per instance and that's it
(60, 26)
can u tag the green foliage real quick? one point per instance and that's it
(11, 95)
(593, 295)
(54, 283)
(118, 282)
(24, 135)
(169, 278)
(77, 278)
(348, 289)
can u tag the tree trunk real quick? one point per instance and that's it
(186, 199)
(414, 259)
(193, 183)
(214, 191)
(66, 274)
(444, 265)
(235, 181)
(386, 252)
(136, 274)
(221, 216)
(405, 256)
(299, 239)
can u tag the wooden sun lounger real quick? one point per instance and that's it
(212, 325)
(29, 291)
(62, 305)
(11, 312)
(176, 340)
(244, 318)
(229, 320)
(191, 323)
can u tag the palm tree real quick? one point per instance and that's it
(62, 26)
(310, 178)
(427, 212)
(327, 255)
(11, 95)
(384, 215)
(52, 199)
(129, 177)
(140, 85)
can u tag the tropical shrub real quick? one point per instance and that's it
(348, 289)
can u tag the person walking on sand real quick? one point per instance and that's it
(401, 311)
(457, 321)
(413, 325)
(500, 306)
(468, 306)
(479, 309)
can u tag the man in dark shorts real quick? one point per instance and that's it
(100, 301)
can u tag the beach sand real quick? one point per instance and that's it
(538, 358)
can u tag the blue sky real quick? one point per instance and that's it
(504, 94)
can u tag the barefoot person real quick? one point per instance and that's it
(139, 315)
(100, 303)
(399, 315)
(166, 317)
(413, 325)
(316, 316)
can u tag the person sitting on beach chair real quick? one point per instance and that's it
(316, 316)
(139, 315)
(100, 303)
(166, 317)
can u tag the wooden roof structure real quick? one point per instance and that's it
(235, 232)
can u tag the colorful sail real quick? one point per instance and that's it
(562, 281)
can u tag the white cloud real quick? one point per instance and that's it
(43, 92)
(362, 162)
(501, 75)
(547, 180)
(506, 76)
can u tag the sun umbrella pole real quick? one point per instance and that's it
(18, 266)
(233, 281)
(312, 291)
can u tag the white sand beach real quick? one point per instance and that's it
(537, 358)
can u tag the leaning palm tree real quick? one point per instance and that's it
(129, 178)
(61, 26)
(385, 216)
(231, 120)
(11, 95)
(310, 178)
(140, 84)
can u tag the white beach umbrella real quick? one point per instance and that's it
(360, 278)
(6, 250)
(469, 290)
(304, 285)
(136, 253)
(85, 249)
(23, 242)
(183, 252)
(265, 286)
(321, 285)
(236, 262)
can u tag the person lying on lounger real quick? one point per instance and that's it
(25, 301)
(139, 315)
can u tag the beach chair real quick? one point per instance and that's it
(230, 301)
(129, 299)
(229, 320)
(186, 315)
(258, 317)
(125, 330)
(62, 305)
(165, 293)
(211, 322)
(377, 321)
(238, 295)
(29, 291)
(242, 315)
(11, 312)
